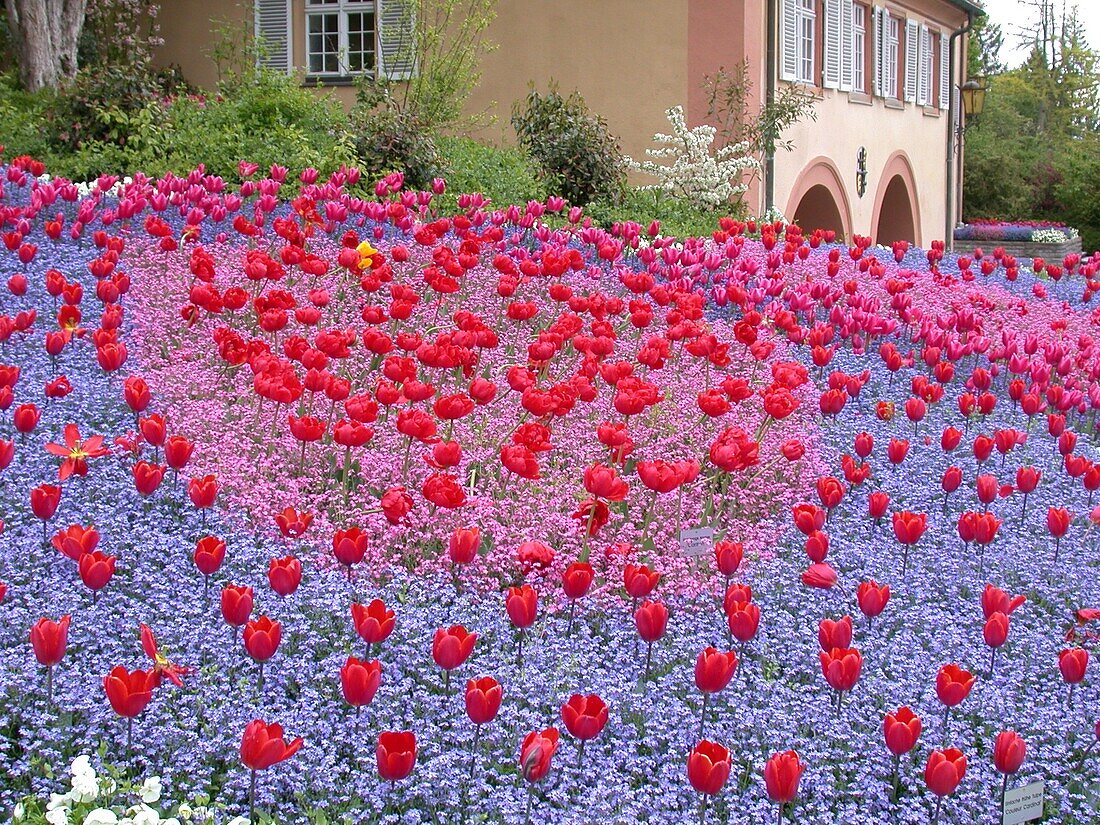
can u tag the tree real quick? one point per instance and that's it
(983, 52)
(45, 35)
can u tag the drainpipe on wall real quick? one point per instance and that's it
(769, 99)
(952, 110)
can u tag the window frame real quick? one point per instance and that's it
(859, 56)
(343, 10)
(893, 58)
(807, 42)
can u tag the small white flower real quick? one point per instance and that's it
(17, 812)
(85, 788)
(82, 766)
(146, 816)
(238, 820)
(150, 790)
(170, 821)
(184, 810)
(58, 816)
(57, 801)
(101, 816)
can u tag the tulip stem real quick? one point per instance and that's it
(779, 819)
(1004, 790)
(703, 809)
(992, 662)
(129, 735)
(49, 687)
(580, 754)
(530, 797)
(946, 722)
(896, 777)
(261, 682)
(649, 658)
(447, 682)
(936, 816)
(473, 750)
(703, 715)
(1085, 755)
(252, 797)
(572, 611)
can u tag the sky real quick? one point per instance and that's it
(1014, 16)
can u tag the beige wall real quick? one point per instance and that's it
(188, 28)
(628, 59)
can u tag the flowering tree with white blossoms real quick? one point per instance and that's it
(697, 174)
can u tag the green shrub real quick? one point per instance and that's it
(577, 156)
(504, 175)
(677, 217)
(391, 137)
(101, 104)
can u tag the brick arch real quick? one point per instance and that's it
(818, 196)
(897, 203)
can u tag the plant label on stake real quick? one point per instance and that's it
(697, 541)
(1023, 804)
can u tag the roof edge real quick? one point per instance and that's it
(968, 6)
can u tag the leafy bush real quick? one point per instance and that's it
(266, 118)
(504, 175)
(102, 104)
(577, 156)
(677, 217)
(391, 137)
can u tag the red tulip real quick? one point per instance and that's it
(284, 575)
(147, 477)
(995, 634)
(872, 598)
(639, 580)
(901, 730)
(708, 768)
(728, 556)
(953, 684)
(832, 634)
(942, 774)
(136, 393)
(536, 752)
(44, 501)
(203, 491)
(395, 755)
(263, 746)
(49, 640)
(522, 605)
(743, 620)
(820, 576)
(96, 569)
(584, 716)
(293, 524)
(349, 546)
(236, 604)
(177, 452)
(26, 418)
(781, 775)
(373, 622)
(1058, 519)
(1072, 663)
(651, 619)
(714, 669)
(261, 640)
(464, 544)
(877, 504)
(1008, 752)
(129, 691)
(841, 668)
(452, 647)
(908, 528)
(359, 681)
(577, 579)
(209, 555)
(995, 600)
(483, 698)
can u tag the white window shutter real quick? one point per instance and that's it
(847, 37)
(912, 60)
(945, 70)
(831, 50)
(925, 94)
(396, 39)
(879, 58)
(788, 65)
(273, 31)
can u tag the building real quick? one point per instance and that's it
(879, 160)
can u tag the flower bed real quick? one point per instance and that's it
(840, 420)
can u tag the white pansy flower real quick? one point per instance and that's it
(85, 788)
(82, 766)
(170, 821)
(58, 816)
(238, 820)
(150, 790)
(17, 812)
(101, 816)
(57, 801)
(146, 816)
(184, 810)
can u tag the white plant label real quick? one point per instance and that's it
(697, 541)
(1023, 804)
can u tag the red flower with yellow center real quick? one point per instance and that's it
(76, 452)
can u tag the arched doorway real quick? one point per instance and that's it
(818, 210)
(895, 218)
(897, 206)
(818, 200)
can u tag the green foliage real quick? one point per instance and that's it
(577, 156)
(391, 137)
(504, 175)
(678, 217)
(1031, 155)
(731, 110)
(103, 103)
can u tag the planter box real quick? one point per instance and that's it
(1024, 252)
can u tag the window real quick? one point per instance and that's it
(807, 30)
(798, 62)
(927, 68)
(890, 62)
(859, 48)
(340, 36)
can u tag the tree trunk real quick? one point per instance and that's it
(44, 36)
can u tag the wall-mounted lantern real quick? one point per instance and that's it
(861, 171)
